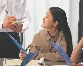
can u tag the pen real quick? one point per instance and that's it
(7, 12)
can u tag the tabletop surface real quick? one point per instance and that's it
(33, 63)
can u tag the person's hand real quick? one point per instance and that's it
(21, 55)
(8, 24)
(8, 21)
(15, 27)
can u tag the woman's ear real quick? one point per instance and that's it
(56, 23)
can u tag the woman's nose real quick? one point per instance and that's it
(43, 18)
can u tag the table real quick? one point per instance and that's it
(17, 62)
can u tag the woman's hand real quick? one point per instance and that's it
(21, 55)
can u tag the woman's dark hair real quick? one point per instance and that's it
(59, 15)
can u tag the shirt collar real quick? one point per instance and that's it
(47, 33)
(52, 36)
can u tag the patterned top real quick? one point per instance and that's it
(41, 42)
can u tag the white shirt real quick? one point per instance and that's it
(18, 9)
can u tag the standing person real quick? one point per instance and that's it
(56, 29)
(11, 11)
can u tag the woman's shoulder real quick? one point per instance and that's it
(41, 32)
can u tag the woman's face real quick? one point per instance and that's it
(48, 20)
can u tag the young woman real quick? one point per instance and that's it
(56, 29)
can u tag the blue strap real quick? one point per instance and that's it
(28, 57)
(17, 44)
(61, 52)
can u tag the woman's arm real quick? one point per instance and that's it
(76, 53)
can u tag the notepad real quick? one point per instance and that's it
(28, 58)
(61, 52)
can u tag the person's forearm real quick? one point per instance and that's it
(76, 53)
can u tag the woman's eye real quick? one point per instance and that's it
(46, 16)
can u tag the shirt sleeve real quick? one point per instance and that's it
(25, 24)
(26, 16)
